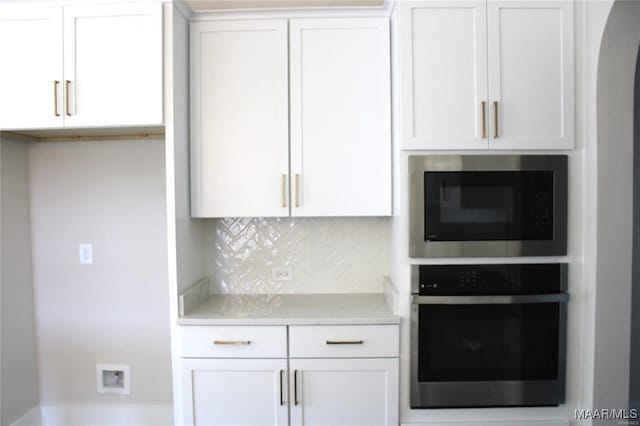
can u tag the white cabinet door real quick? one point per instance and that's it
(239, 118)
(444, 74)
(531, 74)
(235, 392)
(31, 71)
(113, 65)
(340, 117)
(344, 392)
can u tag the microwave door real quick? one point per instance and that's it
(471, 207)
(487, 205)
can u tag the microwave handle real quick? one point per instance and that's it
(490, 300)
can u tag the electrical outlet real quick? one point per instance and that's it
(283, 273)
(85, 253)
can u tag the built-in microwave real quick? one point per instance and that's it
(487, 205)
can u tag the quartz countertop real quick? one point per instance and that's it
(291, 309)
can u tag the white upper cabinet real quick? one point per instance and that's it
(531, 77)
(113, 65)
(340, 117)
(487, 74)
(81, 66)
(290, 118)
(239, 118)
(444, 81)
(31, 73)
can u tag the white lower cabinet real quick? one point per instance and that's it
(334, 376)
(344, 392)
(239, 392)
(344, 375)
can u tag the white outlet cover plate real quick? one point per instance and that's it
(85, 253)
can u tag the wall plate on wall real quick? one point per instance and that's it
(113, 379)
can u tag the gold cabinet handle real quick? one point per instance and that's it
(295, 387)
(495, 119)
(484, 119)
(56, 83)
(281, 397)
(297, 190)
(232, 342)
(67, 83)
(345, 342)
(284, 190)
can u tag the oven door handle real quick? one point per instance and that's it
(490, 300)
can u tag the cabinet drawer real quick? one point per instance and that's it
(343, 341)
(234, 342)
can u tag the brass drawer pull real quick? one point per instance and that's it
(56, 83)
(284, 190)
(295, 387)
(495, 119)
(232, 342)
(345, 342)
(281, 397)
(67, 83)
(484, 119)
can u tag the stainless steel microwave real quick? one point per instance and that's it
(487, 205)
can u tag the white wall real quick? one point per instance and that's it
(19, 387)
(595, 16)
(110, 194)
(615, 83)
(634, 374)
(190, 233)
(186, 237)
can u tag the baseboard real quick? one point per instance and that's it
(31, 418)
(107, 415)
(494, 423)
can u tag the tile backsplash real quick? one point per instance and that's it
(326, 255)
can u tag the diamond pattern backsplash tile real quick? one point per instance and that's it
(327, 255)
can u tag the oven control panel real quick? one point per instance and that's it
(490, 279)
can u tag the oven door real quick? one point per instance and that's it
(468, 206)
(488, 351)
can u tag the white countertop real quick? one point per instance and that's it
(291, 309)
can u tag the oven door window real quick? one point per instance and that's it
(488, 205)
(488, 342)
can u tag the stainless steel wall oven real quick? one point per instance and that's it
(488, 335)
(487, 205)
